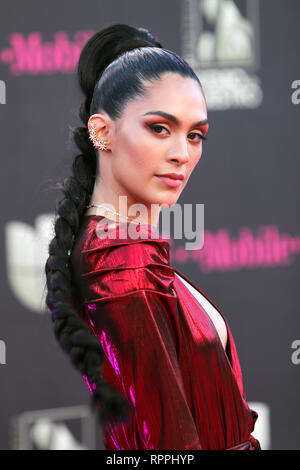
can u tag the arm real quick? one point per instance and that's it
(132, 307)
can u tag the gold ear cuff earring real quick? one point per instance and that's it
(98, 143)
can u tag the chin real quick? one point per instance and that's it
(169, 202)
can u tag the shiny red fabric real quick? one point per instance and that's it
(162, 350)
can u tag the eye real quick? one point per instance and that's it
(156, 128)
(200, 136)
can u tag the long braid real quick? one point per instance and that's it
(73, 334)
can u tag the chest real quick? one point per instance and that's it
(211, 311)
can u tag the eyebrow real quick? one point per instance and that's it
(174, 119)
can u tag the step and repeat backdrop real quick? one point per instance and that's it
(246, 53)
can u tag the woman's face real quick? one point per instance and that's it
(145, 144)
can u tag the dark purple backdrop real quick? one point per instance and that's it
(248, 177)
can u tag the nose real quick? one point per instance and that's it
(179, 152)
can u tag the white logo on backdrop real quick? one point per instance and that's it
(2, 352)
(26, 254)
(2, 92)
(220, 40)
(262, 429)
(70, 428)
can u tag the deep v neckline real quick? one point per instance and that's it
(227, 351)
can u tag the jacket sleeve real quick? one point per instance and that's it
(131, 307)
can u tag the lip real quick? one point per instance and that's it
(171, 182)
(175, 176)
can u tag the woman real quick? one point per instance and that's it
(157, 355)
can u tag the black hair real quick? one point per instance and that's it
(113, 68)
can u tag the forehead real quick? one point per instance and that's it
(172, 93)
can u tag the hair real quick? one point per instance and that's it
(114, 66)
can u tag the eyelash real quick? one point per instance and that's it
(153, 126)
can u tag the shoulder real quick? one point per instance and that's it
(126, 263)
(114, 245)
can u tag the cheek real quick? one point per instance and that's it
(135, 153)
(194, 161)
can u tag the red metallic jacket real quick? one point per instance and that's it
(162, 350)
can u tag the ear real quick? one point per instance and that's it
(103, 127)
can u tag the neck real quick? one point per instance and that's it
(121, 205)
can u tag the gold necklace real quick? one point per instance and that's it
(109, 210)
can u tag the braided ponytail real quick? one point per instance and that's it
(113, 67)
